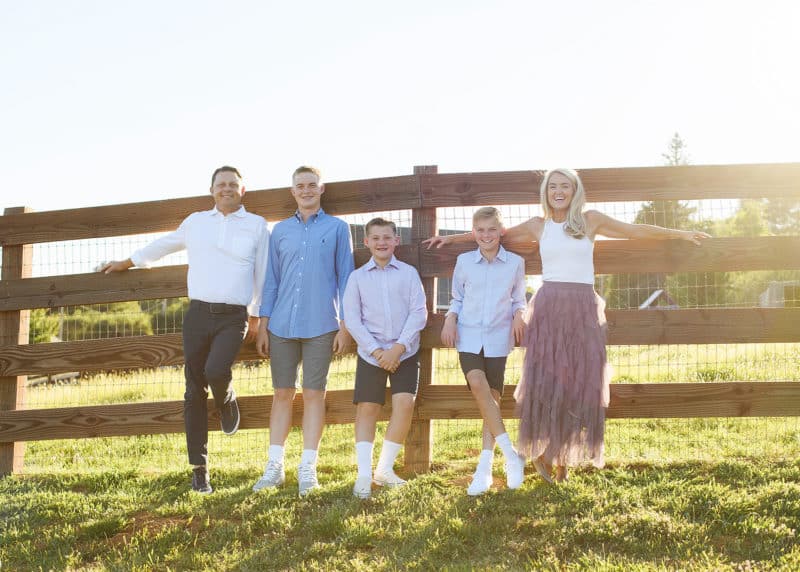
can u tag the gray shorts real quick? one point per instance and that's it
(286, 354)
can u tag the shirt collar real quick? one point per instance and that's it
(502, 255)
(371, 265)
(240, 213)
(319, 214)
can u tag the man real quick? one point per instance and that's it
(227, 250)
(310, 260)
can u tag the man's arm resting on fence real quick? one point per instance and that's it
(116, 266)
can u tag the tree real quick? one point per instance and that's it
(631, 290)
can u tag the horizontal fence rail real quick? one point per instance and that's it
(611, 257)
(634, 400)
(422, 192)
(625, 327)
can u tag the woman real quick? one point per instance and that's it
(563, 392)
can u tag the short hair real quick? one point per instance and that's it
(378, 221)
(225, 169)
(487, 212)
(306, 169)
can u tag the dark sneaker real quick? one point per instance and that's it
(229, 417)
(200, 480)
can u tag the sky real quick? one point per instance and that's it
(106, 102)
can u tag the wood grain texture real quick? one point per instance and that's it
(637, 256)
(14, 328)
(611, 257)
(387, 193)
(645, 400)
(620, 184)
(626, 327)
(418, 453)
(93, 288)
(628, 401)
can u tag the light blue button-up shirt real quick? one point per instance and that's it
(485, 296)
(383, 306)
(308, 267)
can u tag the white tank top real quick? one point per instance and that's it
(565, 259)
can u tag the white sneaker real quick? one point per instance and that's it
(481, 482)
(515, 471)
(306, 478)
(273, 476)
(363, 487)
(388, 479)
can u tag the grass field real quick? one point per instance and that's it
(677, 494)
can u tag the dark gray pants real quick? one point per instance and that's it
(212, 336)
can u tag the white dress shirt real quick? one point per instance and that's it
(383, 306)
(227, 256)
(485, 296)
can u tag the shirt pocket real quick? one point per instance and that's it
(243, 246)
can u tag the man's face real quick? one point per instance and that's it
(227, 191)
(307, 191)
(381, 241)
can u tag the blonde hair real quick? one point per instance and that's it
(575, 225)
(487, 212)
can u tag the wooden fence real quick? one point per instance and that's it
(421, 192)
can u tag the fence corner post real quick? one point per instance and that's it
(14, 327)
(419, 443)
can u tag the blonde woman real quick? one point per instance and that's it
(563, 392)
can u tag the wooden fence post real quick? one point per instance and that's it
(419, 443)
(14, 326)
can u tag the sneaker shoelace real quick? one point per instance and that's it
(306, 472)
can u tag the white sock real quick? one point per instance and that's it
(309, 457)
(389, 453)
(364, 458)
(276, 453)
(485, 461)
(504, 442)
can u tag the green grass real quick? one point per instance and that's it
(676, 494)
(730, 515)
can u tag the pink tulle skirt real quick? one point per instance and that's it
(563, 393)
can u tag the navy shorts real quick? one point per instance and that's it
(493, 367)
(371, 380)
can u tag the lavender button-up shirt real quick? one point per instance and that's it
(485, 296)
(383, 306)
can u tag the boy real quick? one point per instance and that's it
(310, 259)
(384, 312)
(483, 322)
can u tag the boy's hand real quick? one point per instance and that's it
(518, 326)
(450, 330)
(262, 341)
(436, 241)
(341, 341)
(252, 329)
(390, 359)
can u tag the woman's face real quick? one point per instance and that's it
(560, 191)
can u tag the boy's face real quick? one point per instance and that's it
(487, 233)
(307, 191)
(381, 241)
